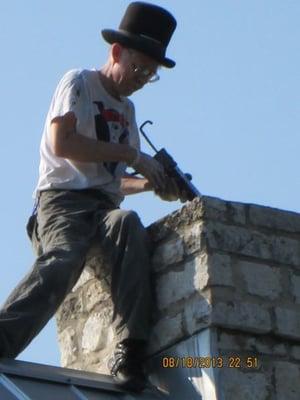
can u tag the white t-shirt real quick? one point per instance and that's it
(99, 116)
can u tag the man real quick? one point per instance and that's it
(89, 139)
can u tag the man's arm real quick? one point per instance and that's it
(67, 143)
(132, 185)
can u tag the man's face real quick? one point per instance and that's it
(134, 71)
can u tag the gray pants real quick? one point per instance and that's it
(67, 224)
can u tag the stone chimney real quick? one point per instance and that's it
(227, 322)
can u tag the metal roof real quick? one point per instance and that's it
(20, 380)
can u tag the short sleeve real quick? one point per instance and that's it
(134, 138)
(69, 95)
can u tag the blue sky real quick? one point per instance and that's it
(229, 112)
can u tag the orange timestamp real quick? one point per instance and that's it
(234, 361)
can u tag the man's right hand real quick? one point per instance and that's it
(152, 170)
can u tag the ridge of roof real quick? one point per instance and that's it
(22, 380)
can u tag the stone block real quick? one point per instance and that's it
(168, 253)
(275, 219)
(94, 294)
(248, 317)
(213, 208)
(295, 352)
(177, 285)
(287, 322)
(85, 276)
(261, 280)
(274, 350)
(68, 346)
(70, 310)
(174, 222)
(197, 314)
(193, 238)
(166, 332)
(218, 270)
(252, 243)
(287, 378)
(197, 274)
(236, 213)
(265, 346)
(227, 341)
(194, 276)
(97, 332)
(213, 270)
(252, 344)
(295, 282)
(239, 385)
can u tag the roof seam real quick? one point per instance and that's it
(12, 388)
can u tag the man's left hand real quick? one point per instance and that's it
(171, 191)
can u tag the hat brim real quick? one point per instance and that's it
(135, 42)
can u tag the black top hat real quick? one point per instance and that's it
(147, 28)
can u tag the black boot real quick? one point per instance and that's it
(126, 365)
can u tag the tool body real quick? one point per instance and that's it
(171, 168)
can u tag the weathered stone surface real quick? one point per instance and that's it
(221, 267)
(255, 244)
(229, 342)
(236, 213)
(295, 282)
(263, 346)
(287, 381)
(177, 285)
(261, 280)
(253, 344)
(273, 218)
(94, 294)
(295, 351)
(87, 274)
(218, 270)
(193, 238)
(68, 345)
(213, 208)
(226, 211)
(173, 222)
(196, 316)
(287, 322)
(166, 332)
(70, 310)
(238, 385)
(200, 272)
(244, 316)
(168, 253)
(97, 332)
(192, 278)
(211, 270)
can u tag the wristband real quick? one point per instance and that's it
(136, 158)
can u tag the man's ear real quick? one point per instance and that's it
(116, 52)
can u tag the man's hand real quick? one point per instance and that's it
(171, 191)
(152, 170)
(162, 185)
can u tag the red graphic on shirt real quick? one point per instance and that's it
(103, 129)
(113, 116)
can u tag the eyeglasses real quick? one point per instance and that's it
(144, 72)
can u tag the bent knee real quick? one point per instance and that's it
(127, 217)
